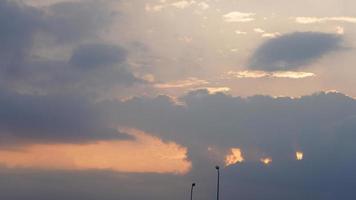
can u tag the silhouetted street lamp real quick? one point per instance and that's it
(217, 192)
(191, 191)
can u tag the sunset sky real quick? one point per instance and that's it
(137, 99)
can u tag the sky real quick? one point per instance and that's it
(138, 99)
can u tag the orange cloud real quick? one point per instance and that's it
(266, 161)
(299, 155)
(235, 156)
(145, 154)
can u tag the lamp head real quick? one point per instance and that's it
(193, 184)
(217, 167)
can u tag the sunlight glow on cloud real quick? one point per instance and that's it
(239, 17)
(178, 4)
(292, 74)
(235, 156)
(182, 4)
(240, 32)
(259, 30)
(145, 154)
(271, 35)
(340, 30)
(312, 20)
(213, 90)
(266, 161)
(203, 5)
(299, 155)
(190, 82)
(153, 8)
(266, 34)
(264, 74)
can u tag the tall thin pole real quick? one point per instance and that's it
(217, 186)
(191, 191)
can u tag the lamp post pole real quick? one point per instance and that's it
(191, 191)
(218, 182)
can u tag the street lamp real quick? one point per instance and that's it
(191, 191)
(217, 187)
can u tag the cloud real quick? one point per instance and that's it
(114, 155)
(79, 66)
(239, 17)
(203, 5)
(97, 55)
(265, 74)
(177, 4)
(153, 8)
(293, 180)
(259, 30)
(258, 124)
(240, 32)
(266, 34)
(190, 82)
(52, 119)
(271, 35)
(218, 126)
(312, 20)
(16, 34)
(340, 30)
(293, 51)
(63, 184)
(213, 90)
(211, 125)
(42, 99)
(74, 21)
(182, 4)
(98, 61)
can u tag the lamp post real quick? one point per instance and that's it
(191, 191)
(217, 186)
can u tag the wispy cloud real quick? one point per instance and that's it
(238, 32)
(190, 82)
(213, 90)
(259, 30)
(239, 17)
(271, 35)
(203, 5)
(177, 4)
(182, 4)
(153, 8)
(264, 74)
(313, 20)
(266, 34)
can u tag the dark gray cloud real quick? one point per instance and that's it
(51, 119)
(99, 66)
(321, 125)
(46, 99)
(65, 22)
(75, 21)
(293, 51)
(89, 185)
(18, 25)
(272, 126)
(93, 67)
(308, 179)
(97, 55)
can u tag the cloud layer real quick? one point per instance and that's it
(78, 59)
(71, 89)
